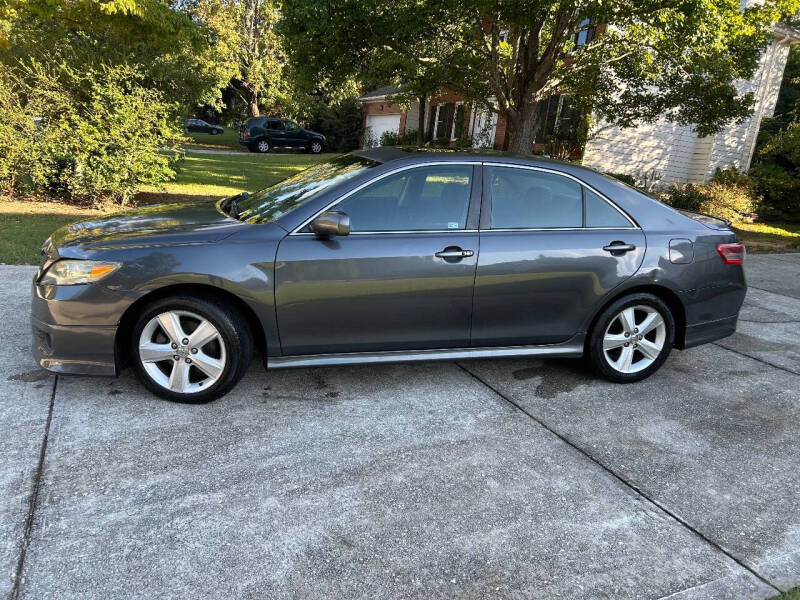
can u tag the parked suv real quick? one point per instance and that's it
(262, 134)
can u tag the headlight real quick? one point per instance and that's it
(73, 272)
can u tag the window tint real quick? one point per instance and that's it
(526, 199)
(600, 213)
(425, 198)
(291, 125)
(275, 125)
(273, 202)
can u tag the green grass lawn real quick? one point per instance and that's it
(793, 594)
(25, 225)
(769, 237)
(227, 140)
(221, 175)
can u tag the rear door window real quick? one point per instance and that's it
(528, 199)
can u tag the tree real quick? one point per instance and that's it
(374, 42)
(677, 59)
(245, 37)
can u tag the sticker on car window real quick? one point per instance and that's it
(452, 225)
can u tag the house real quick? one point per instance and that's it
(662, 152)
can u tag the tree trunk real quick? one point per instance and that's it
(522, 129)
(252, 102)
(421, 128)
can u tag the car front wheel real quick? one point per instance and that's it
(632, 338)
(315, 147)
(190, 348)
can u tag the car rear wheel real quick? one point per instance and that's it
(315, 147)
(190, 348)
(632, 338)
(263, 146)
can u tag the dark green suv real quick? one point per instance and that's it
(262, 134)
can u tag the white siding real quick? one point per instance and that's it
(674, 153)
(412, 117)
(663, 148)
(733, 146)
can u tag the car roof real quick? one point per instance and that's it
(412, 155)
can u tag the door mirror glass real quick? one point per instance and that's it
(330, 223)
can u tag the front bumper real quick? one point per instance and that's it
(74, 328)
(74, 349)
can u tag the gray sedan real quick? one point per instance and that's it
(382, 256)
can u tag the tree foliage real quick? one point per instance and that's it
(677, 59)
(93, 91)
(99, 137)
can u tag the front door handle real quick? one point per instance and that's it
(621, 247)
(454, 252)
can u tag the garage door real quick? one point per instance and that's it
(377, 125)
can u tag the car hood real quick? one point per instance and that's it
(177, 223)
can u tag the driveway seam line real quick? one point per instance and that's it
(621, 479)
(773, 292)
(34, 498)
(761, 360)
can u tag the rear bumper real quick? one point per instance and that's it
(703, 333)
(74, 349)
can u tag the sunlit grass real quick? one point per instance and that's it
(769, 237)
(218, 176)
(227, 140)
(24, 226)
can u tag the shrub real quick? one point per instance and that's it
(731, 202)
(339, 122)
(733, 176)
(629, 179)
(98, 135)
(777, 175)
(410, 137)
(390, 138)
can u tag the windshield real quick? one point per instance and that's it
(274, 202)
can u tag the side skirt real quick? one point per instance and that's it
(570, 348)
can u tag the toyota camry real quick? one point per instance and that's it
(385, 256)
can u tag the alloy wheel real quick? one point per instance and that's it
(263, 146)
(316, 147)
(634, 338)
(182, 351)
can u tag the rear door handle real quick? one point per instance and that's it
(454, 253)
(619, 247)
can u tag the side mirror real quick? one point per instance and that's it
(330, 223)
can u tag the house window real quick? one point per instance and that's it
(558, 118)
(449, 121)
(585, 33)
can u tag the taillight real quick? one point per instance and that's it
(246, 133)
(732, 254)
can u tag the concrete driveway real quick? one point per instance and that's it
(524, 479)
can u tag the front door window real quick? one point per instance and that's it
(433, 198)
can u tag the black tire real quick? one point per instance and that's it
(232, 327)
(315, 147)
(596, 354)
(263, 146)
